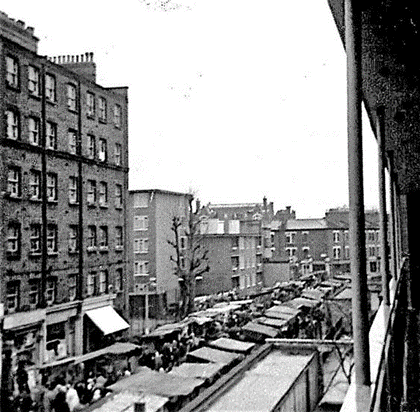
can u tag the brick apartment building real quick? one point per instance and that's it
(64, 167)
(314, 245)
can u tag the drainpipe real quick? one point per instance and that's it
(360, 318)
(380, 135)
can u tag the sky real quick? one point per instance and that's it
(231, 99)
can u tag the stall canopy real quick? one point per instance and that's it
(315, 294)
(299, 303)
(283, 309)
(198, 370)
(213, 355)
(232, 345)
(263, 330)
(279, 315)
(274, 323)
(118, 348)
(157, 383)
(107, 319)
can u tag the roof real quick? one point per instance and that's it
(302, 302)
(197, 370)
(159, 191)
(232, 345)
(274, 323)
(213, 355)
(157, 383)
(344, 295)
(306, 224)
(264, 330)
(262, 387)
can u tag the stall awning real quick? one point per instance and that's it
(107, 319)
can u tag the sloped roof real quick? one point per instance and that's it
(306, 224)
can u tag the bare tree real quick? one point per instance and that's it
(190, 257)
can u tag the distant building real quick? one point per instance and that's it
(151, 213)
(314, 245)
(64, 167)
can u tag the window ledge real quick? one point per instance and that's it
(104, 206)
(54, 253)
(51, 102)
(119, 248)
(103, 249)
(91, 249)
(73, 252)
(34, 96)
(35, 254)
(101, 120)
(71, 110)
(52, 201)
(91, 205)
(72, 203)
(35, 199)
(12, 197)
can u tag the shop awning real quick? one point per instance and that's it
(107, 319)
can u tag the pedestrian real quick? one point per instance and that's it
(72, 398)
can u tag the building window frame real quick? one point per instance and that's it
(102, 108)
(91, 192)
(102, 150)
(118, 196)
(103, 194)
(290, 238)
(51, 135)
(73, 238)
(117, 115)
(103, 237)
(13, 239)
(51, 290)
(34, 131)
(34, 78)
(52, 183)
(52, 239)
(336, 252)
(35, 184)
(91, 238)
(119, 237)
(71, 97)
(118, 154)
(12, 296)
(35, 239)
(13, 124)
(90, 105)
(91, 146)
(141, 223)
(73, 190)
(12, 72)
(50, 88)
(14, 181)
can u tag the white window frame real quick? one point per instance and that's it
(73, 190)
(90, 104)
(103, 237)
(35, 184)
(34, 130)
(103, 194)
(12, 71)
(50, 87)
(118, 196)
(52, 239)
(119, 237)
(90, 283)
(117, 153)
(347, 252)
(290, 238)
(117, 115)
(71, 97)
(35, 239)
(91, 146)
(291, 251)
(92, 237)
(13, 238)
(33, 80)
(51, 187)
(336, 252)
(73, 239)
(51, 135)
(12, 296)
(72, 287)
(91, 192)
(103, 282)
(141, 268)
(141, 245)
(102, 104)
(50, 291)
(336, 236)
(102, 150)
(12, 119)
(34, 288)
(118, 280)
(13, 181)
(141, 223)
(72, 141)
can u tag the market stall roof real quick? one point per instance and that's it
(232, 345)
(200, 320)
(298, 303)
(284, 309)
(117, 348)
(197, 370)
(279, 315)
(344, 295)
(157, 383)
(263, 330)
(107, 319)
(121, 402)
(315, 294)
(274, 323)
(261, 388)
(213, 355)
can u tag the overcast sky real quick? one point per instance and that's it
(235, 99)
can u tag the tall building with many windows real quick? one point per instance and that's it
(64, 168)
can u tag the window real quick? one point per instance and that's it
(90, 102)
(241, 243)
(235, 282)
(141, 222)
(91, 192)
(13, 181)
(71, 97)
(372, 251)
(35, 185)
(118, 279)
(118, 196)
(103, 194)
(91, 146)
(102, 109)
(12, 72)
(52, 239)
(305, 251)
(33, 292)
(33, 81)
(73, 192)
(91, 283)
(34, 136)
(371, 236)
(235, 262)
(51, 137)
(13, 238)
(346, 252)
(117, 154)
(103, 281)
(102, 154)
(91, 239)
(241, 262)
(51, 187)
(235, 243)
(373, 266)
(336, 236)
(35, 239)
(183, 240)
(336, 252)
(141, 267)
(12, 119)
(290, 237)
(117, 115)
(50, 290)
(50, 88)
(141, 245)
(72, 139)
(291, 251)
(103, 237)
(119, 240)
(305, 237)
(73, 239)
(12, 296)
(346, 236)
(72, 285)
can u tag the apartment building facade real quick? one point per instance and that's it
(151, 213)
(64, 167)
(315, 245)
